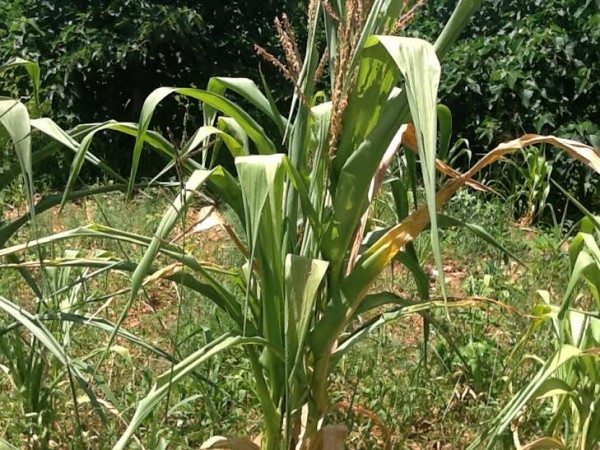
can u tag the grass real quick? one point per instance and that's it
(384, 386)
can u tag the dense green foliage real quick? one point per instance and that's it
(525, 67)
(99, 60)
(522, 67)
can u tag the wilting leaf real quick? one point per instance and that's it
(545, 443)
(229, 443)
(330, 437)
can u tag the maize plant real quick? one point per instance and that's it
(569, 378)
(37, 362)
(302, 195)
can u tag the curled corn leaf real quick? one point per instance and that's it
(409, 142)
(373, 260)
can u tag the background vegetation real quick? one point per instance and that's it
(525, 67)
(520, 68)
(268, 310)
(100, 60)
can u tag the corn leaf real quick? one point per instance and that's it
(167, 380)
(5, 445)
(220, 103)
(52, 130)
(83, 149)
(447, 222)
(456, 24)
(47, 339)
(198, 139)
(510, 411)
(374, 112)
(229, 190)
(32, 68)
(196, 180)
(248, 90)
(445, 123)
(406, 308)
(380, 254)
(262, 183)
(420, 68)
(303, 276)
(14, 117)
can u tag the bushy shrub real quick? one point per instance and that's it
(525, 67)
(100, 59)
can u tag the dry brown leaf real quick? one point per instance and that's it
(584, 153)
(376, 183)
(360, 410)
(397, 237)
(409, 141)
(545, 443)
(300, 429)
(165, 272)
(229, 443)
(209, 217)
(330, 437)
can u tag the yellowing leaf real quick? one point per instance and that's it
(409, 141)
(544, 443)
(228, 443)
(164, 272)
(376, 258)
